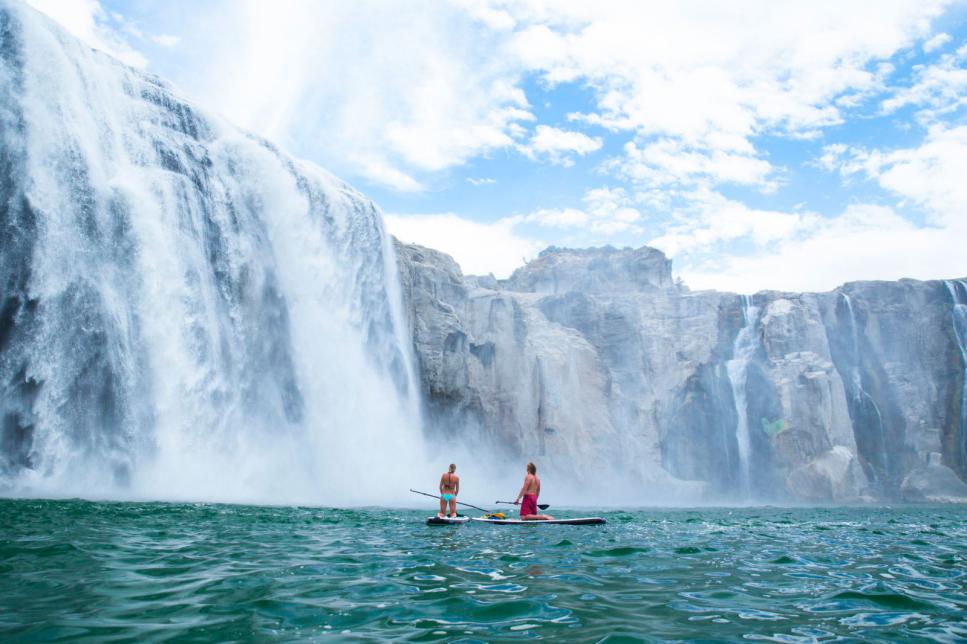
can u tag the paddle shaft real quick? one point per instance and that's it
(434, 496)
(542, 506)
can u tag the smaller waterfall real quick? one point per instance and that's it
(743, 349)
(958, 296)
(860, 397)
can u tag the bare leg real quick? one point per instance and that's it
(453, 507)
(537, 517)
(443, 508)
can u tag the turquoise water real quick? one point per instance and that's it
(199, 572)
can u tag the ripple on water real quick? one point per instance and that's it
(620, 551)
(135, 571)
(885, 599)
(687, 550)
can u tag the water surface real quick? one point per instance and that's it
(158, 571)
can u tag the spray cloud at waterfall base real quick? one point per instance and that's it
(187, 312)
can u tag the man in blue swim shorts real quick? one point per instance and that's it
(449, 488)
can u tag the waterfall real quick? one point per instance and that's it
(859, 396)
(958, 298)
(743, 349)
(186, 311)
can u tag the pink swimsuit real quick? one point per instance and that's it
(528, 505)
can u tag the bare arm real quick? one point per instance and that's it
(456, 490)
(520, 494)
(523, 488)
(538, 495)
(441, 485)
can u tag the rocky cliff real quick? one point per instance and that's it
(596, 361)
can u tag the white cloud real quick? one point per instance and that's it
(802, 251)
(666, 162)
(706, 82)
(930, 175)
(865, 243)
(379, 171)
(389, 93)
(481, 181)
(936, 42)
(832, 157)
(606, 212)
(556, 218)
(612, 211)
(478, 248)
(166, 40)
(493, 17)
(88, 21)
(710, 220)
(395, 95)
(558, 145)
(939, 89)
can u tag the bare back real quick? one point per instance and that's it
(532, 484)
(449, 482)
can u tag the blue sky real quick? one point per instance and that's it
(793, 145)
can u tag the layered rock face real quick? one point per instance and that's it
(596, 361)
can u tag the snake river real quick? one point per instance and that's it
(106, 572)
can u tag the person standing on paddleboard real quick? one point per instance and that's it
(449, 488)
(527, 497)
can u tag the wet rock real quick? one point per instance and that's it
(596, 359)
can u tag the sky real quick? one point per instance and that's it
(761, 145)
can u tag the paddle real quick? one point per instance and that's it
(542, 506)
(433, 496)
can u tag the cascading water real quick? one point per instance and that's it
(743, 349)
(186, 312)
(958, 297)
(861, 400)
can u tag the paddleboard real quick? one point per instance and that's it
(446, 521)
(578, 521)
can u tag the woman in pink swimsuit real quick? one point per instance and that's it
(529, 493)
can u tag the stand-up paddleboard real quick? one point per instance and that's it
(447, 520)
(578, 521)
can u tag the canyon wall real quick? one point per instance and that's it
(599, 365)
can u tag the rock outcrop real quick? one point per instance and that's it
(597, 361)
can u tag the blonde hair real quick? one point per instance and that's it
(532, 468)
(453, 467)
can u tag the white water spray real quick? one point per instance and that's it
(859, 394)
(204, 317)
(743, 349)
(958, 298)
